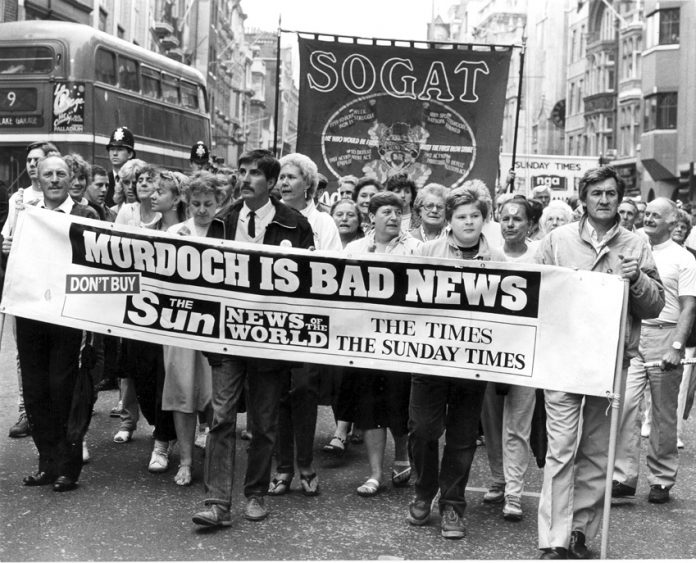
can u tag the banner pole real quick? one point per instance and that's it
(614, 405)
(511, 185)
(354, 38)
(277, 91)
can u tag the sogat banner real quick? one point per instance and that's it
(522, 324)
(379, 110)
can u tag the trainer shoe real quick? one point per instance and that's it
(255, 509)
(418, 512)
(659, 494)
(452, 526)
(512, 510)
(620, 490)
(215, 516)
(86, 458)
(21, 428)
(495, 494)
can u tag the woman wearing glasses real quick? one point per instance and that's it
(429, 207)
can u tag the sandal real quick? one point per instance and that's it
(183, 477)
(337, 445)
(279, 485)
(401, 478)
(310, 485)
(123, 436)
(369, 488)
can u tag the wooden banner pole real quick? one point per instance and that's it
(614, 405)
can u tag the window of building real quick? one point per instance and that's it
(102, 19)
(660, 111)
(105, 66)
(128, 74)
(662, 27)
(669, 26)
(152, 84)
(120, 32)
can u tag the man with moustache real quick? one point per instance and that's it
(572, 494)
(258, 219)
(662, 339)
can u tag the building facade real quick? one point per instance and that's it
(668, 84)
(621, 88)
(263, 128)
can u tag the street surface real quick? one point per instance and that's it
(122, 512)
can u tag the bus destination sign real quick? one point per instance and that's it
(21, 121)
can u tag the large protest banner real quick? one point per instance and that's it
(381, 109)
(539, 326)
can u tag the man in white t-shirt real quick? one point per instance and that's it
(661, 340)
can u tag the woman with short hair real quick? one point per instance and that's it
(429, 209)
(445, 404)
(366, 188)
(555, 214)
(382, 396)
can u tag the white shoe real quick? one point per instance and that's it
(680, 444)
(201, 438)
(159, 460)
(85, 453)
(645, 430)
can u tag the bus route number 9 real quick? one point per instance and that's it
(11, 98)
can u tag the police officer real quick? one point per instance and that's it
(121, 149)
(200, 157)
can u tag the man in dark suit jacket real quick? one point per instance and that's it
(259, 219)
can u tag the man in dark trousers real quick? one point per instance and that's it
(49, 360)
(258, 219)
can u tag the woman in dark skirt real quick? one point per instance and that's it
(382, 397)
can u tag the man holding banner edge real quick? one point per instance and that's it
(573, 489)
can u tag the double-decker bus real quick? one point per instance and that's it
(73, 85)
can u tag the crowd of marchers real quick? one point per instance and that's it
(192, 398)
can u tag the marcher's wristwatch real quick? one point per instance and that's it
(677, 345)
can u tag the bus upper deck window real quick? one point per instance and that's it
(26, 60)
(170, 89)
(106, 66)
(189, 95)
(128, 74)
(152, 85)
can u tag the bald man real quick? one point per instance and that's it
(661, 340)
